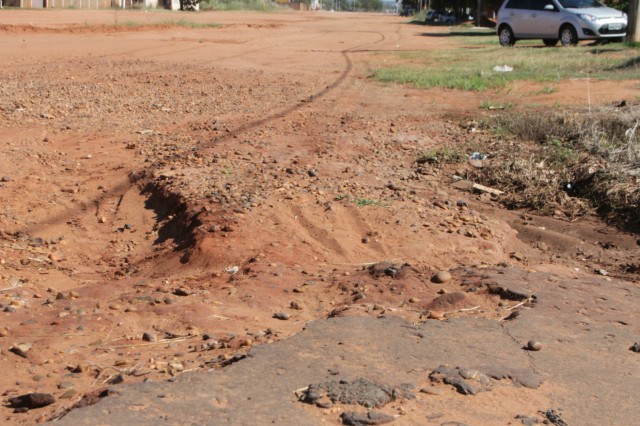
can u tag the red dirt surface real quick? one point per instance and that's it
(185, 182)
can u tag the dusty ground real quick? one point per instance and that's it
(198, 184)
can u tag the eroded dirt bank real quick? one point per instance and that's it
(172, 197)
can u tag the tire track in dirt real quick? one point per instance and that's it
(346, 71)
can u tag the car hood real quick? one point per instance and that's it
(598, 12)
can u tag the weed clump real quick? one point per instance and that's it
(581, 161)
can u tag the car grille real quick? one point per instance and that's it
(605, 30)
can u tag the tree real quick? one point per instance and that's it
(633, 29)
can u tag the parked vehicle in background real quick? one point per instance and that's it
(428, 17)
(440, 17)
(567, 21)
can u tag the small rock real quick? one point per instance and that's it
(116, 379)
(635, 347)
(115, 306)
(176, 366)
(517, 256)
(312, 173)
(3, 331)
(181, 292)
(56, 257)
(80, 368)
(441, 277)
(432, 391)
(149, 337)
(70, 393)
(281, 316)
(477, 164)
(555, 418)
(360, 419)
(6, 179)
(534, 345)
(437, 315)
(32, 400)
(21, 349)
(526, 420)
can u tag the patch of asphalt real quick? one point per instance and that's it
(585, 327)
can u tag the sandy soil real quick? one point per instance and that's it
(173, 195)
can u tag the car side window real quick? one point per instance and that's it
(541, 4)
(518, 4)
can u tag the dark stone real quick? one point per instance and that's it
(282, 316)
(360, 391)
(352, 418)
(555, 418)
(461, 385)
(149, 337)
(388, 269)
(181, 292)
(115, 380)
(635, 347)
(32, 400)
(510, 293)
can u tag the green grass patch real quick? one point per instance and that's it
(259, 5)
(547, 90)
(360, 202)
(440, 155)
(474, 69)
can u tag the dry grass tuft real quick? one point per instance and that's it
(581, 161)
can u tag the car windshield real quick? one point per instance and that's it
(580, 4)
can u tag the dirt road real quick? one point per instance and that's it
(173, 196)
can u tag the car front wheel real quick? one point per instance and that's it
(568, 36)
(550, 42)
(505, 34)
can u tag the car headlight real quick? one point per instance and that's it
(588, 17)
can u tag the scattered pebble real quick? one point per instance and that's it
(32, 400)
(281, 316)
(21, 349)
(534, 345)
(441, 277)
(149, 337)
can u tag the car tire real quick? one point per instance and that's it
(568, 36)
(550, 42)
(506, 36)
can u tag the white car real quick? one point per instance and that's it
(567, 21)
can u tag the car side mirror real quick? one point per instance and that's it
(550, 7)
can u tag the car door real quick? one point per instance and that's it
(544, 19)
(514, 12)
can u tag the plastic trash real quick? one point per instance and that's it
(502, 68)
